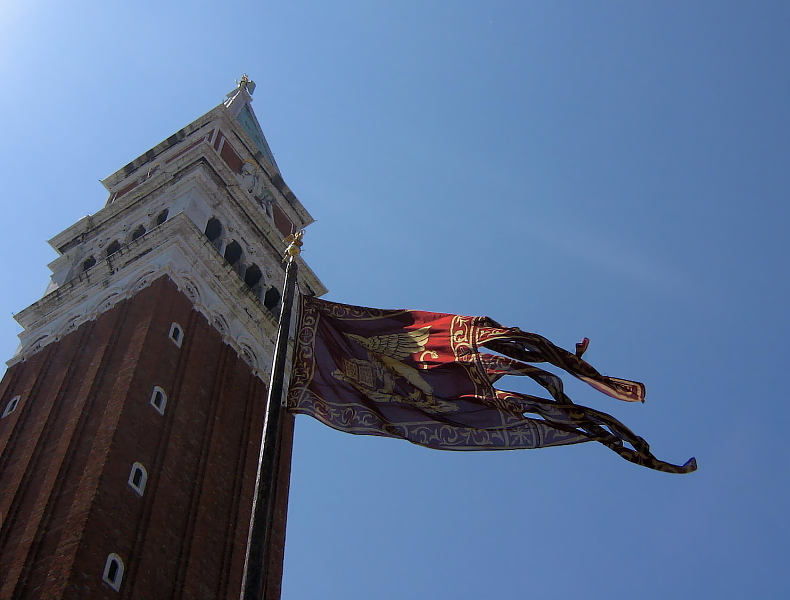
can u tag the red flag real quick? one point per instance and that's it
(421, 376)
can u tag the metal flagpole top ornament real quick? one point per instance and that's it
(295, 244)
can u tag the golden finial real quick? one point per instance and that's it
(246, 83)
(295, 244)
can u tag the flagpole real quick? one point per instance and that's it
(265, 480)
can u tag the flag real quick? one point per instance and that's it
(422, 377)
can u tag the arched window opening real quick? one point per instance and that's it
(176, 334)
(139, 232)
(113, 571)
(252, 276)
(162, 217)
(112, 248)
(159, 399)
(214, 232)
(89, 262)
(138, 478)
(233, 253)
(272, 298)
(11, 406)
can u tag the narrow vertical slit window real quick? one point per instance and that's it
(138, 478)
(11, 406)
(113, 571)
(159, 399)
(176, 334)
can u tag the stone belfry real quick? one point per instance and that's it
(132, 411)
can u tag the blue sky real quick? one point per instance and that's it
(616, 170)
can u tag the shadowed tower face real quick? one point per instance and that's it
(132, 411)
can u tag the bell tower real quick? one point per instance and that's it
(132, 410)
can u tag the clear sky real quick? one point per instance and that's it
(616, 170)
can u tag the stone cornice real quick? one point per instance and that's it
(202, 169)
(178, 250)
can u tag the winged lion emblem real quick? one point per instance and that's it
(390, 350)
